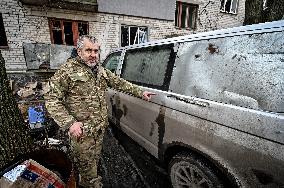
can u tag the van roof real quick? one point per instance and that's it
(241, 30)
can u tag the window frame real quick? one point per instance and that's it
(223, 7)
(169, 69)
(129, 38)
(2, 29)
(178, 15)
(75, 29)
(264, 5)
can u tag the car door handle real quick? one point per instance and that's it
(190, 100)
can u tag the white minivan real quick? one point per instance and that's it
(218, 117)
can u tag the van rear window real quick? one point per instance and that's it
(245, 70)
(150, 67)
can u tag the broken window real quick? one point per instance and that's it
(133, 35)
(150, 67)
(112, 61)
(185, 16)
(3, 38)
(229, 6)
(264, 5)
(67, 31)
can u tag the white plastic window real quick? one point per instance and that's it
(133, 35)
(229, 6)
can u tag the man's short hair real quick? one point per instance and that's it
(80, 41)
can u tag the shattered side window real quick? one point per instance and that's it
(112, 61)
(246, 71)
(150, 67)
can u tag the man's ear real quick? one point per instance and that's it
(79, 52)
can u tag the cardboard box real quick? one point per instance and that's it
(30, 174)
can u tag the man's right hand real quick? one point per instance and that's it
(76, 129)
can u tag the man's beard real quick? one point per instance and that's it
(92, 63)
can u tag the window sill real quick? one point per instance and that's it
(228, 12)
(186, 28)
(4, 47)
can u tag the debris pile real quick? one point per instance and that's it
(32, 91)
(29, 96)
(30, 100)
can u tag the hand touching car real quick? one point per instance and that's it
(148, 95)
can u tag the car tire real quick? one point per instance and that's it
(187, 170)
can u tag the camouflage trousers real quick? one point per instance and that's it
(86, 153)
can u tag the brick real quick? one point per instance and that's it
(34, 26)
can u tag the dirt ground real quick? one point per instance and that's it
(124, 164)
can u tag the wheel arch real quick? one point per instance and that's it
(223, 173)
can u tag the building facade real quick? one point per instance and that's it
(33, 32)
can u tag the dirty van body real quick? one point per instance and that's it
(218, 117)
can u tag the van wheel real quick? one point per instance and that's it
(186, 170)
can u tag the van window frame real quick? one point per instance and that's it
(169, 70)
(110, 56)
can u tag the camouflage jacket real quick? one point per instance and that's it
(77, 94)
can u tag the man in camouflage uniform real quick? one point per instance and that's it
(76, 101)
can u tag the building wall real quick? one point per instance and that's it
(30, 24)
(20, 26)
(210, 17)
(160, 9)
